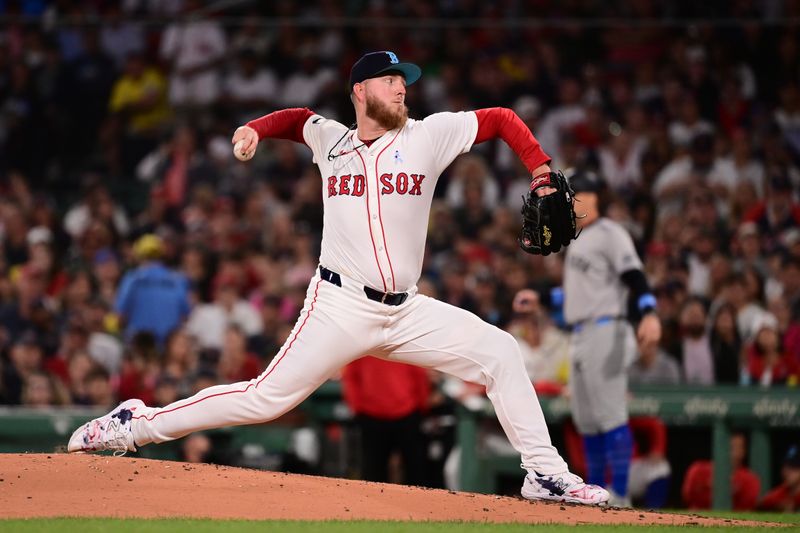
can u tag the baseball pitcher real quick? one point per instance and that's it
(378, 178)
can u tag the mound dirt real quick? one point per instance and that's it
(42, 485)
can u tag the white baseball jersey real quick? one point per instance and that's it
(378, 198)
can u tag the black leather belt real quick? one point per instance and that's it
(388, 298)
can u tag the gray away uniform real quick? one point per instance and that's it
(603, 343)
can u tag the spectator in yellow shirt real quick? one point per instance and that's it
(139, 107)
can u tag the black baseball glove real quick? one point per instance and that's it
(548, 222)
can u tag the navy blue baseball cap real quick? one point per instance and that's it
(586, 181)
(792, 458)
(375, 64)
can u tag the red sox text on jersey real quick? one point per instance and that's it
(391, 183)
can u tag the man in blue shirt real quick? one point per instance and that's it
(152, 297)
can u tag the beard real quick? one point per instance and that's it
(694, 331)
(387, 117)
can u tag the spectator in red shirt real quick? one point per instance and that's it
(767, 362)
(745, 485)
(140, 369)
(786, 496)
(235, 362)
(733, 110)
(388, 400)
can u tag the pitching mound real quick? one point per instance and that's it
(40, 485)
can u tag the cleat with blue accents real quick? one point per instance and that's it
(564, 487)
(109, 432)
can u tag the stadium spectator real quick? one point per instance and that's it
(620, 159)
(235, 362)
(80, 365)
(152, 298)
(561, 119)
(180, 359)
(25, 360)
(96, 207)
(15, 233)
(308, 83)
(787, 115)
(786, 496)
(788, 327)
(139, 110)
(208, 322)
(748, 248)
(73, 339)
(166, 390)
(472, 170)
(744, 166)
(251, 89)
(790, 284)
(748, 310)
(195, 265)
(675, 180)
(726, 345)
(699, 259)
(102, 343)
(650, 470)
(654, 366)
(89, 78)
(18, 314)
(120, 38)
(472, 216)
(41, 391)
(106, 271)
(767, 362)
(22, 112)
(696, 357)
(544, 347)
(140, 368)
(194, 47)
(177, 167)
(97, 384)
(388, 400)
(196, 448)
(688, 124)
(745, 485)
(251, 36)
(778, 212)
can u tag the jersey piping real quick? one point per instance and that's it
(380, 217)
(369, 217)
(250, 384)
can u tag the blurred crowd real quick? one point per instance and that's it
(139, 259)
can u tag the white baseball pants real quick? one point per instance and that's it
(340, 324)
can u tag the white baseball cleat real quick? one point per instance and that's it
(109, 432)
(564, 487)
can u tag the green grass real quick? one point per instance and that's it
(785, 518)
(100, 525)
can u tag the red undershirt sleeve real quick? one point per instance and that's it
(284, 124)
(494, 122)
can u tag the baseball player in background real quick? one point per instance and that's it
(601, 272)
(378, 179)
